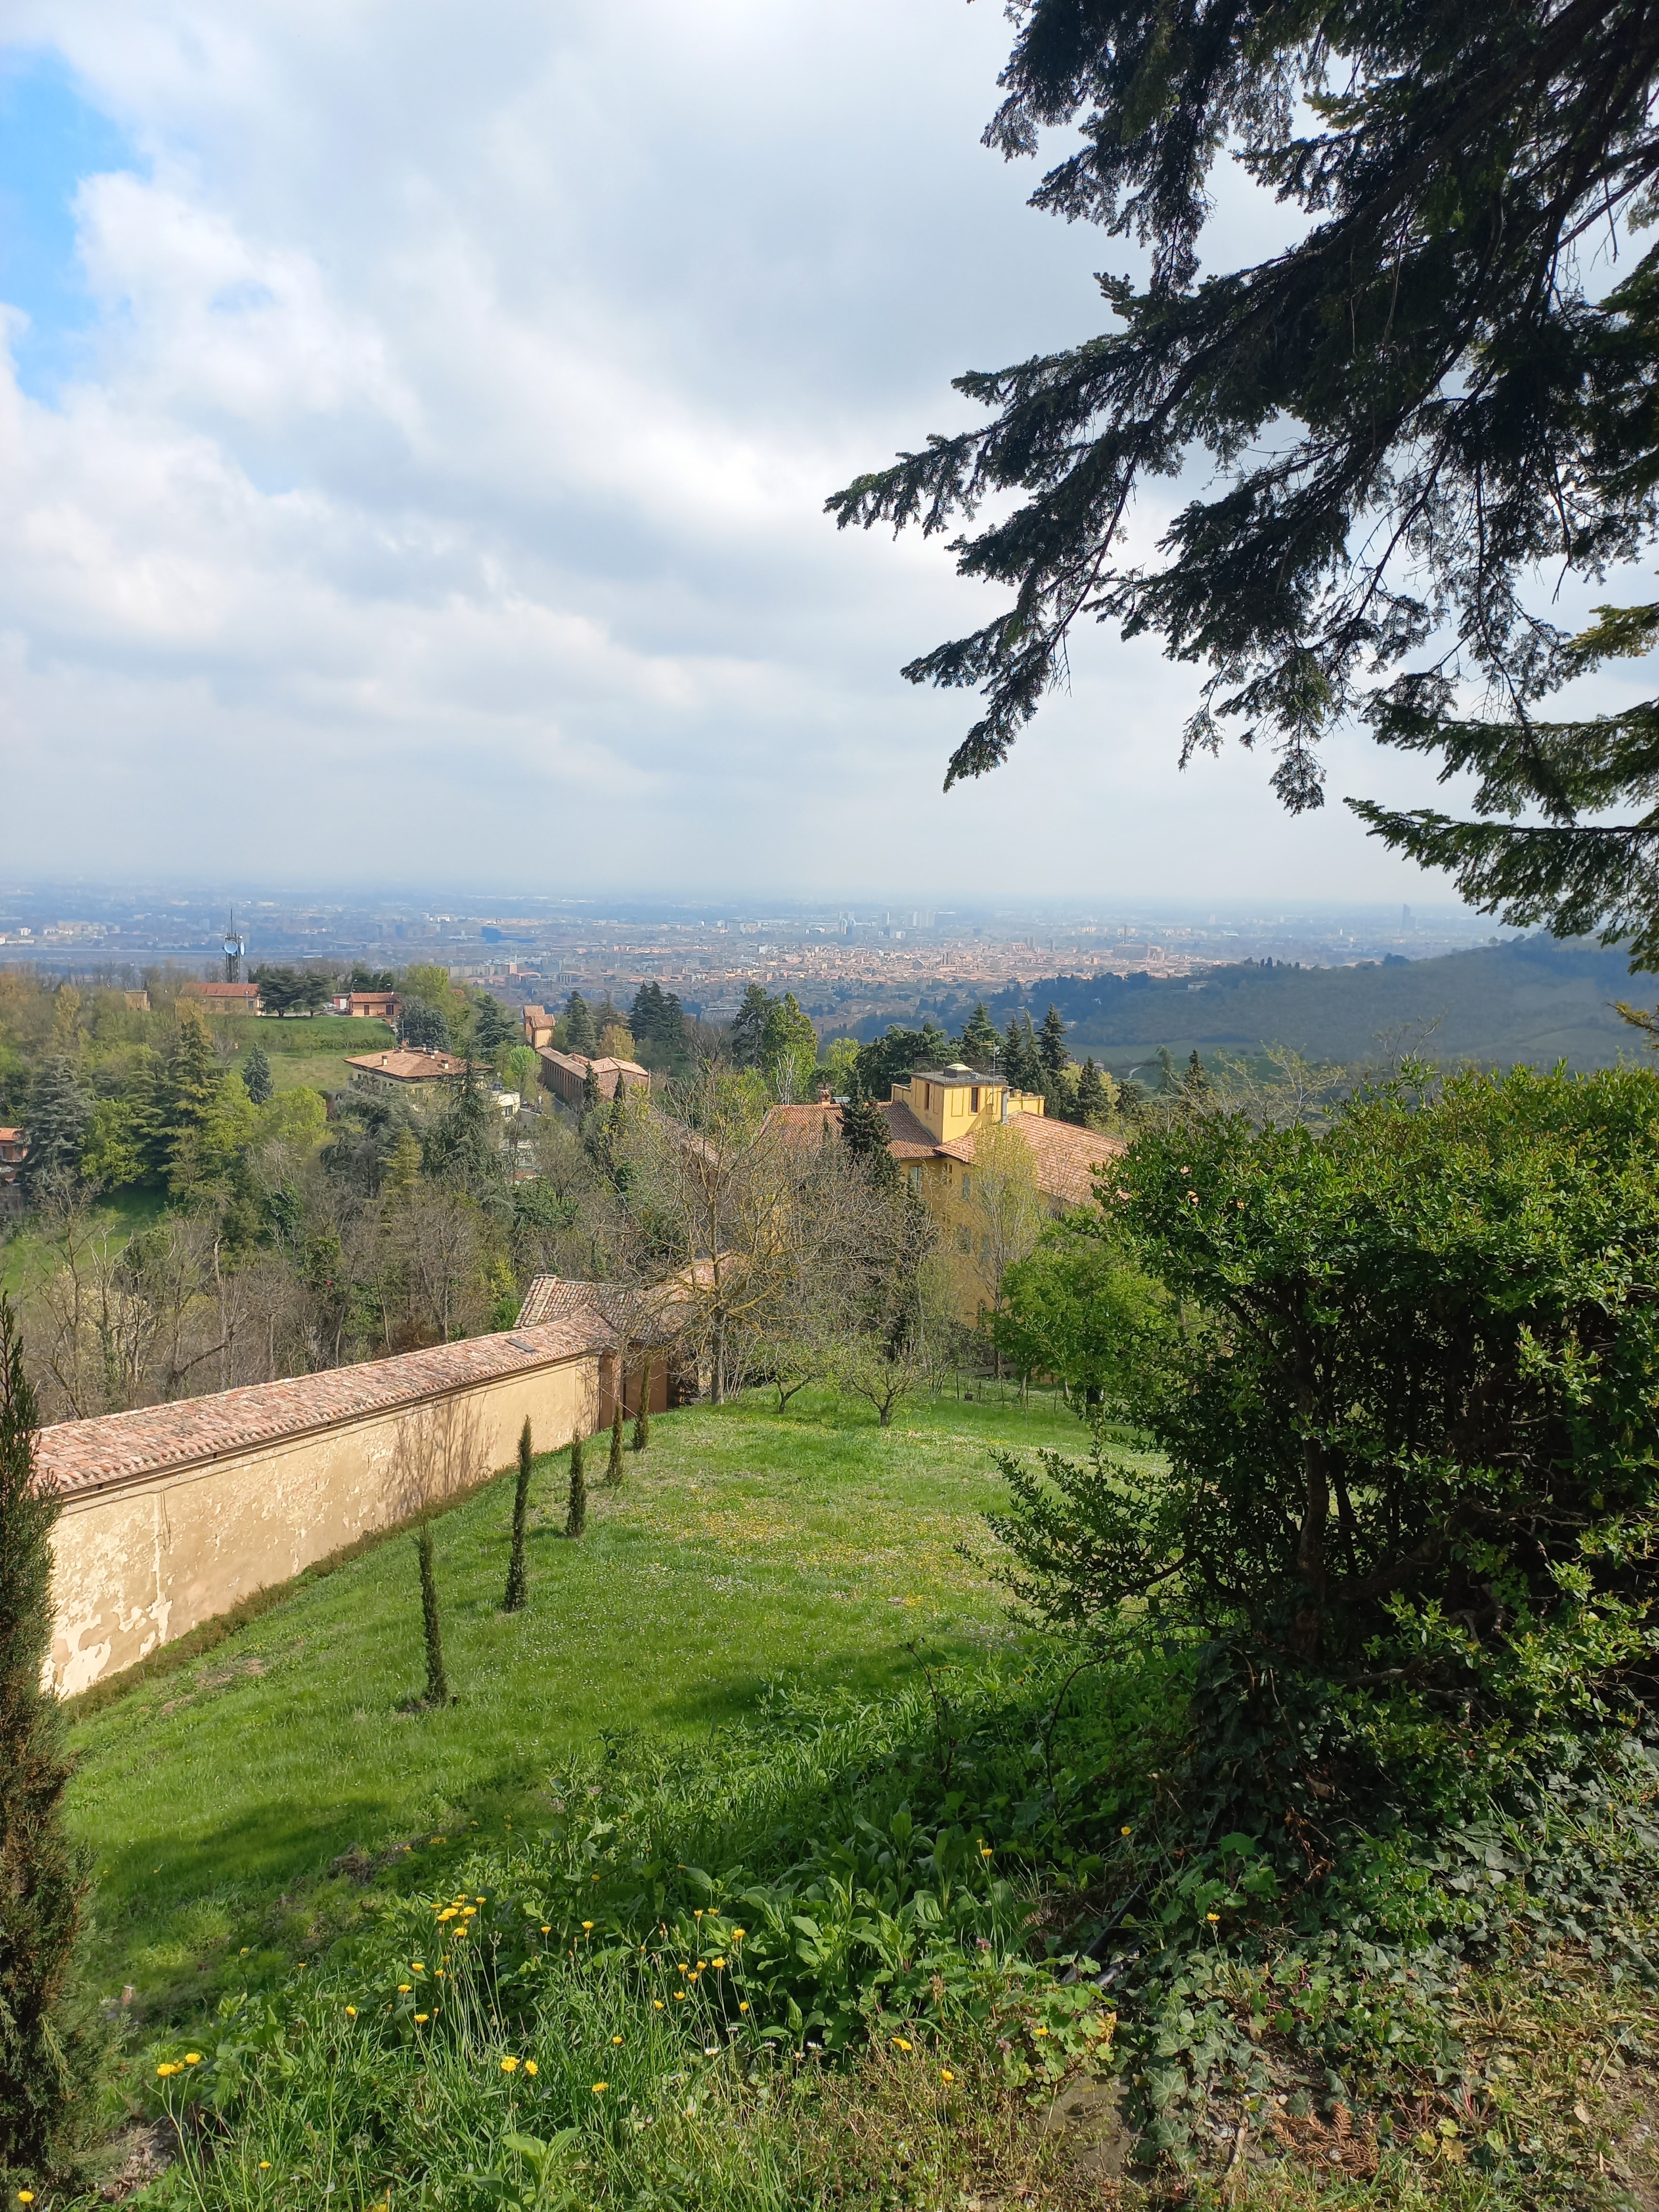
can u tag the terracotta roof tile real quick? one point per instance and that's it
(116, 1448)
(1066, 1158)
(907, 1138)
(409, 1067)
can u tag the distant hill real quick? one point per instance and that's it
(1531, 1001)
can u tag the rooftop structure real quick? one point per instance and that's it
(565, 1074)
(226, 998)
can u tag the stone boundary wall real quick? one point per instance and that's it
(173, 1514)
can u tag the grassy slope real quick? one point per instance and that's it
(745, 1548)
(313, 1052)
(26, 1256)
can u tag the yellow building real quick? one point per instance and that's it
(990, 1168)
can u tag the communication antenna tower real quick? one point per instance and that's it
(236, 946)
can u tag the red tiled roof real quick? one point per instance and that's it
(809, 1122)
(220, 990)
(615, 1307)
(116, 1448)
(907, 1138)
(1065, 1157)
(409, 1067)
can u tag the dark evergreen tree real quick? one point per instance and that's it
(191, 1093)
(864, 1132)
(577, 1515)
(463, 1149)
(1459, 407)
(518, 1582)
(256, 1073)
(1092, 1104)
(979, 1042)
(1051, 1056)
(60, 1111)
(43, 2060)
(421, 1027)
(370, 979)
(895, 1058)
(590, 1093)
(749, 1027)
(1021, 1067)
(613, 1473)
(1196, 1087)
(580, 1037)
(492, 1025)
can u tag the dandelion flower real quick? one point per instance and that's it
(403, 1989)
(1126, 1831)
(1214, 1919)
(901, 2042)
(588, 1924)
(265, 2166)
(351, 2012)
(422, 2018)
(192, 2058)
(744, 2007)
(599, 2088)
(509, 2065)
(531, 2067)
(25, 2197)
(616, 2038)
(946, 2075)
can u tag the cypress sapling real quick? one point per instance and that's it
(613, 1473)
(642, 1417)
(576, 1520)
(43, 1877)
(437, 1681)
(517, 1581)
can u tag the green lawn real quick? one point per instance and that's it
(313, 1052)
(27, 1255)
(745, 1548)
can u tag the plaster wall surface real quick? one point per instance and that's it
(146, 1555)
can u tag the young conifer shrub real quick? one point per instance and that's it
(437, 1681)
(517, 1587)
(43, 1877)
(576, 1518)
(642, 1417)
(613, 1473)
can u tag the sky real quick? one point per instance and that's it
(415, 428)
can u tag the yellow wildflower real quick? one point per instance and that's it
(588, 1924)
(717, 1962)
(1126, 1831)
(265, 2166)
(744, 2007)
(656, 2003)
(986, 1852)
(509, 2065)
(738, 1934)
(163, 2072)
(616, 2038)
(680, 1994)
(192, 2058)
(599, 2088)
(1214, 1919)
(1039, 2030)
(417, 1965)
(422, 2018)
(25, 2197)
(351, 2012)
(403, 1989)
(531, 2067)
(901, 2042)
(546, 1929)
(946, 2075)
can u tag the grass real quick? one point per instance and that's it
(744, 1549)
(27, 1255)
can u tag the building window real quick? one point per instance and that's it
(974, 1095)
(915, 1180)
(967, 1184)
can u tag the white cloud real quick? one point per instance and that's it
(445, 484)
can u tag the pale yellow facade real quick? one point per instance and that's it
(142, 1559)
(953, 1103)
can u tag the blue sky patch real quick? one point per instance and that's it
(50, 139)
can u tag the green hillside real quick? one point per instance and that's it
(1533, 1001)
